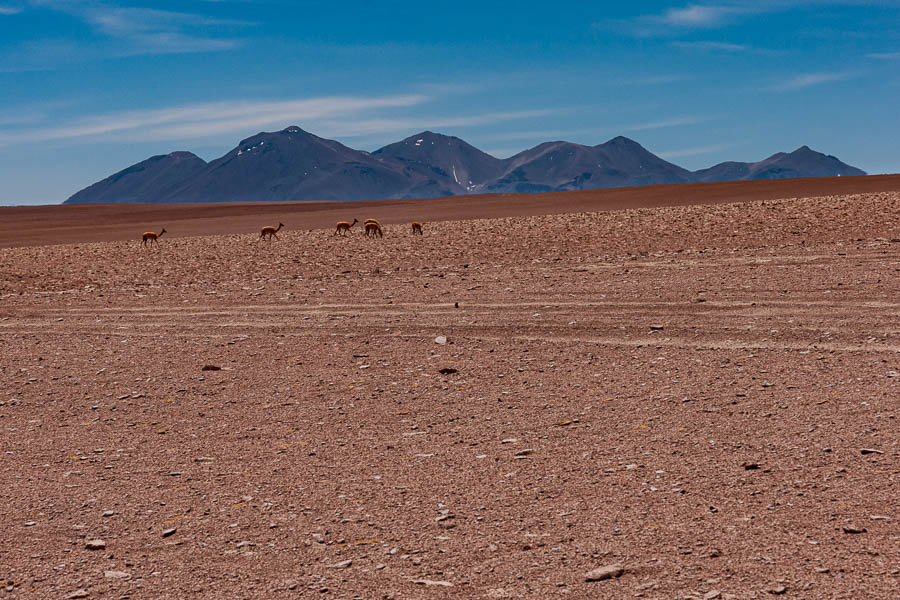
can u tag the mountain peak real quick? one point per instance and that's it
(802, 162)
(621, 139)
(430, 136)
(620, 143)
(293, 164)
(183, 155)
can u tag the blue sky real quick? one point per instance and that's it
(89, 88)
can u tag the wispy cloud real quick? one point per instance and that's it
(695, 151)
(715, 14)
(366, 127)
(9, 10)
(203, 120)
(542, 135)
(134, 31)
(686, 18)
(700, 15)
(806, 80)
(674, 122)
(724, 48)
(341, 116)
(884, 55)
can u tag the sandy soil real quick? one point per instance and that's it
(706, 396)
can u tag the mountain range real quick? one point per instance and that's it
(292, 164)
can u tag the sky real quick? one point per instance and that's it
(88, 88)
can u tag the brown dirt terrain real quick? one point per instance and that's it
(706, 395)
(74, 224)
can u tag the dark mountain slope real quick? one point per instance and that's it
(144, 182)
(292, 164)
(802, 162)
(444, 161)
(560, 166)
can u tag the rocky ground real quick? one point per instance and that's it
(702, 400)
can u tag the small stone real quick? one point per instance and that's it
(657, 327)
(440, 340)
(525, 452)
(865, 451)
(880, 518)
(853, 529)
(341, 565)
(107, 513)
(380, 566)
(79, 594)
(712, 595)
(30, 523)
(447, 371)
(95, 544)
(446, 521)
(167, 532)
(431, 582)
(211, 368)
(116, 575)
(607, 572)
(779, 590)
(750, 466)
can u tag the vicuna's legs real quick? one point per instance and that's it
(270, 231)
(373, 229)
(344, 226)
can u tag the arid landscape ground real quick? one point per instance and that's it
(702, 397)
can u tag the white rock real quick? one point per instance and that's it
(431, 582)
(341, 565)
(607, 572)
(95, 544)
(116, 574)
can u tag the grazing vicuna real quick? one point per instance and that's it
(150, 236)
(416, 228)
(270, 231)
(344, 226)
(373, 229)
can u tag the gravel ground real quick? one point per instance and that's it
(702, 399)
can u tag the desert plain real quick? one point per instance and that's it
(697, 395)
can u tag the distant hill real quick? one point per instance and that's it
(562, 166)
(802, 162)
(151, 180)
(449, 165)
(292, 165)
